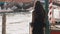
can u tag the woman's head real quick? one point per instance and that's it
(38, 5)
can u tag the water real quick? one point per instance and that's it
(17, 23)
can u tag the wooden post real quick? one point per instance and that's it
(4, 23)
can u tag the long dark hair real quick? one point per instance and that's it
(38, 12)
(38, 6)
(38, 17)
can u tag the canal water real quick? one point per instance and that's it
(17, 23)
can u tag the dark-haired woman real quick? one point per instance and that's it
(38, 19)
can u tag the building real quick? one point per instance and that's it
(16, 0)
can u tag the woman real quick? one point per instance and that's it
(38, 19)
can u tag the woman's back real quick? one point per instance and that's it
(39, 14)
(38, 17)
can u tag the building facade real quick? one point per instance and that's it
(16, 0)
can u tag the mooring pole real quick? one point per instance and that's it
(47, 30)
